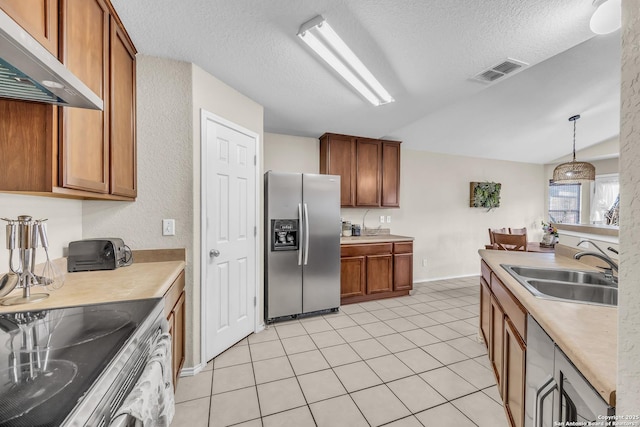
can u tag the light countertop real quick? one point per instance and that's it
(137, 281)
(379, 238)
(586, 333)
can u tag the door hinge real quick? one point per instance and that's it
(255, 160)
(255, 301)
(255, 230)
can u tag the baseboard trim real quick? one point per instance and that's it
(189, 372)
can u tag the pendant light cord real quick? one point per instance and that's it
(573, 119)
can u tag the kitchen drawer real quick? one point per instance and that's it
(367, 249)
(511, 306)
(403, 248)
(485, 272)
(173, 294)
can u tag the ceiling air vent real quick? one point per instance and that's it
(499, 71)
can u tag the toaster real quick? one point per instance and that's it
(98, 254)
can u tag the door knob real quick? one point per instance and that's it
(214, 253)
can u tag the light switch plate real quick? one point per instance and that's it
(382, 219)
(388, 219)
(168, 227)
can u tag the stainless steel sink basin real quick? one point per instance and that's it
(573, 276)
(566, 285)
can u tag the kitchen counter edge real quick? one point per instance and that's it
(381, 238)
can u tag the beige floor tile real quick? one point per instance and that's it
(194, 387)
(357, 376)
(233, 378)
(327, 338)
(278, 396)
(340, 321)
(340, 355)
(415, 393)
(442, 316)
(233, 356)
(484, 361)
(315, 324)
(463, 327)
(320, 385)
(424, 307)
(266, 350)
(338, 412)
(242, 342)
(298, 417)
(267, 334)
(442, 332)
(379, 405)
(400, 325)
(378, 329)
(352, 309)
(389, 368)
(370, 348)
(385, 314)
(421, 320)
(474, 373)
(418, 360)
(391, 302)
(274, 369)
(396, 342)
(410, 421)
(354, 333)
(459, 313)
(309, 361)
(447, 383)
(445, 415)
(292, 329)
(193, 413)
(440, 304)
(493, 393)
(404, 311)
(482, 410)
(363, 318)
(253, 423)
(469, 346)
(208, 366)
(371, 305)
(234, 407)
(445, 353)
(420, 337)
(298, 344)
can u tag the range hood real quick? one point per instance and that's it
(29, 72)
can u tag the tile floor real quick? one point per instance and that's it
(400, 362)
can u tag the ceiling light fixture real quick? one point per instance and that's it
(572, 172)
(607, 17)
(319, 36)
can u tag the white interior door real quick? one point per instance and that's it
(229, 221)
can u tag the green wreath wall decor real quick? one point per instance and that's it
(485, 195)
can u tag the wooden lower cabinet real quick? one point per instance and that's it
(375, 270)
(174, 310)
(501, 326)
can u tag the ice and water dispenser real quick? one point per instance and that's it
(284, 235)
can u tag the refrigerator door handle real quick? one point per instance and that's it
(306, 234)
(301, 219)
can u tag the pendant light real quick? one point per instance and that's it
(573, 172)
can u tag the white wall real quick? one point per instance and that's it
(434, 200)
(628, 386)
(64, 223)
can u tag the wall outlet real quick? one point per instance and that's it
(168, 227)
(381, 219)
(388, 219)
(424, 262)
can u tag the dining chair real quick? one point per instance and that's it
(510, 242)
(496, 230)
(522, 230)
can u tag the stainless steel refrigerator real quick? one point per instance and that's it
(302, 244)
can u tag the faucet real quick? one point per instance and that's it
(364, 228)
(613, 266)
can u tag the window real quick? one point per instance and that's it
(564, 203)
(605, 191)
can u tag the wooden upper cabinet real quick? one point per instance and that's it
(338, 157)
(122, 113)
(84, 134)
(38, 17)
(369, 169)
(368, 172)
(390, 174)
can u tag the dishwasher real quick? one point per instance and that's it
(556, 392)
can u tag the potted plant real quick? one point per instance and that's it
(485, 195)
(550, 235)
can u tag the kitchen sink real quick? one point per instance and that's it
(587, 287)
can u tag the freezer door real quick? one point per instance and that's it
(321, 272)
(283, 269)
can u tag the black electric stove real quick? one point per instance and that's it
(51, 361)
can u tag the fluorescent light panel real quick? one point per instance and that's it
(320, 37)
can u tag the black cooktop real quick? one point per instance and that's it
(50, 358)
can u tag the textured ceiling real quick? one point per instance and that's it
(423, 51)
